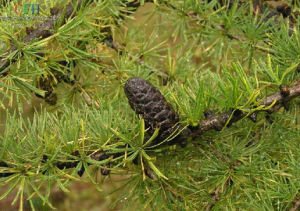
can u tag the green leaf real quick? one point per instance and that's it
(10, 188)
(45, 200)
(8, 87)
(287, 71)
(142, 130)
(156, 170)
(154, 135)
(22, 82)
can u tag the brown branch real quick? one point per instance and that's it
(72, 163)
(281, 8)
(212, 122)
(43, 30)
(108, 40)
(217, 122)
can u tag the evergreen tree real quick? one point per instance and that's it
(194, 103)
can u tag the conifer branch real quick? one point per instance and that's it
(44, 30)
(281, 9)
(98, 156)
(146, 100)
(217, 122)
(159, 120)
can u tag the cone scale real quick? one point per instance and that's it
(146, 100)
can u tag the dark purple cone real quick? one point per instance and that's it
(147, 100)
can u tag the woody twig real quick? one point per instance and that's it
(279, 99)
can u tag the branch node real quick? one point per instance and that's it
(253, 117)
(284, 90)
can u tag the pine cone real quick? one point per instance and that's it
(147, 100)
